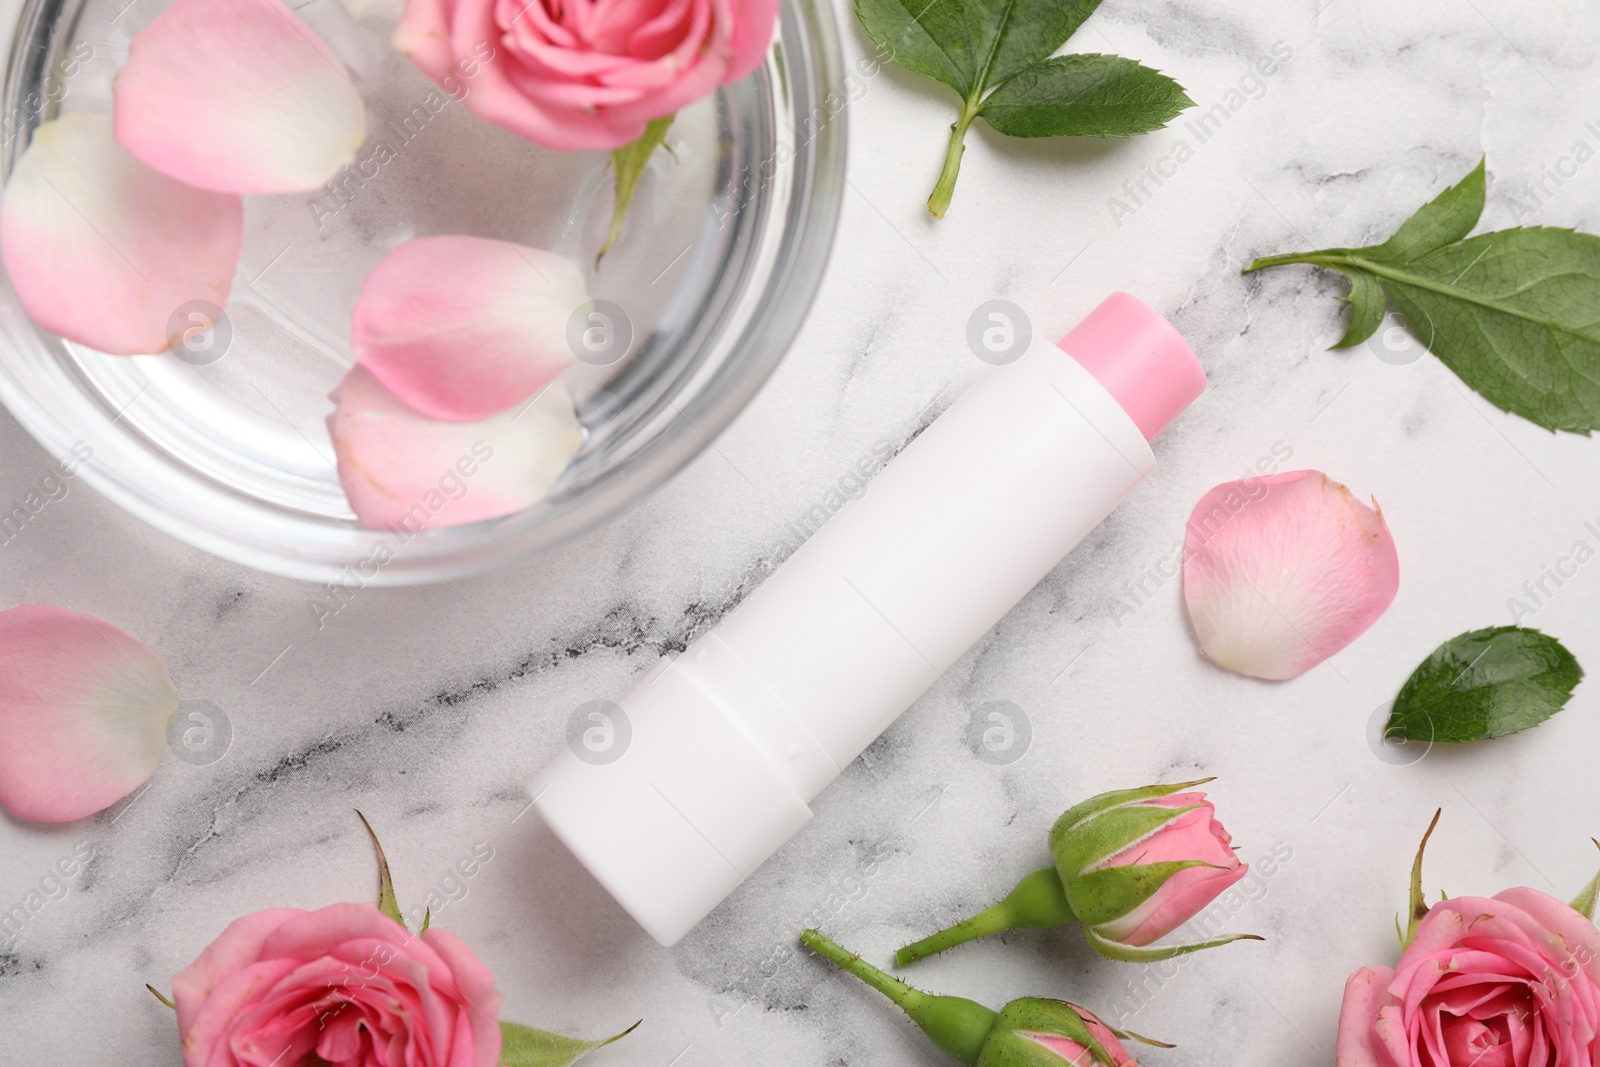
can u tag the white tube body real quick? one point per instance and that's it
(728, 742)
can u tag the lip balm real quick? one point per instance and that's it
(729, 741)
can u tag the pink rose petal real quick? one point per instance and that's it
(465, 327)
(1194, 835)
(407, 472)
(236, 947)
(1280, 573)
(84, 709)
(101, 249)
(474, 985)
(239, 96)
(1358, 1044)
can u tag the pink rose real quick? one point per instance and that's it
(583, 74)
(345, 984)
(1506, 981)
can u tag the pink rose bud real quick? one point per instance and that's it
(1131, 866)
(1028, 1032)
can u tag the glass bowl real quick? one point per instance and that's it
(720, 260)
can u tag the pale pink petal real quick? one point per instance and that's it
(1572, 939)
(239, 96)
(424, 35)
(1180, 898)
(235, 948)
(1358, 1044)
(750, 37)
(474, 986)
(406, 472)
(1280, 573)
(101, 249)
(465, 327)
(84, 710)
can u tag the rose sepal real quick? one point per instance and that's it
(1100, 896)
(1116, 950)
(525, 1046)
(1083, 811)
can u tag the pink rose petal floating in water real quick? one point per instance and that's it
(103, 250)
(410, 473)
(1281, 572)
(239, 96)
(84, 709)
(465, 327)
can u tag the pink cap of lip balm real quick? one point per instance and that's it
(1143, 362)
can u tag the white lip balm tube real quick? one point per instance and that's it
(718, 751)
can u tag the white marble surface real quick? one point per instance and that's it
(429, 707)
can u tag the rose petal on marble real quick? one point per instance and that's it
(239, 96)
(406, 472)
(1282, 572)
(84, 710)
(101, 249)
(466, 327)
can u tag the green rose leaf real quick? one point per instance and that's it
(628, 163)
(523, 1046)
(979, 48)
(1084, 96)
(1485, 683)
(1514, 313)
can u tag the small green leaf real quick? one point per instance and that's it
(427, 918)
(629, 162)
(154, 992)
(1084, 96)
(971, 45)
(386, 901)
(523, 1046)
(998, 52)
(1367, 305)
(1583, 903)
(1444, 220)
(1483, 684)
(1514, 313)
(1418, 905)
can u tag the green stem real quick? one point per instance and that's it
(1345, 258)
(991, 920)
(904, 996)
(1039, 901)
(939, 202)
(957, 1025)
